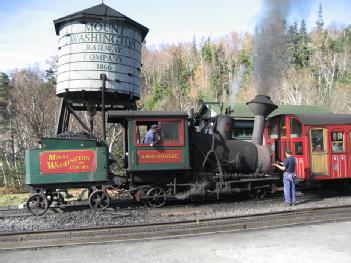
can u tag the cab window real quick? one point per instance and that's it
(167, 133)
(142, 127)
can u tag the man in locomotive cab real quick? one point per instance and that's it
(289, 177)
(152, 136)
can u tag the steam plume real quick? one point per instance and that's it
(269, 45)
(236, 83)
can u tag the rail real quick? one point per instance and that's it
(98, 235)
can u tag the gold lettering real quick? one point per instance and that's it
(160, 156)
(52, 165)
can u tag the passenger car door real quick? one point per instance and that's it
(338, 154)
(318, 149)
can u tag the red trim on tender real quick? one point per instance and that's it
(70, 161)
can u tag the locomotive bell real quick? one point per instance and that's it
(261, 106)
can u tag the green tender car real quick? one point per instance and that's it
(63, 163)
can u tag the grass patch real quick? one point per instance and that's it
(13, 199)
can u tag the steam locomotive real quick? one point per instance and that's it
(194, 157)
(99, 67)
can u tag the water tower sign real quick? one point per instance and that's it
(90, 45)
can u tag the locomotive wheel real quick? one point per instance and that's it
(99, 200)
(37, 204)
(156, 197)
(261, 193)
(252, 191)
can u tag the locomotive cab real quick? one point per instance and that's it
(168, 151)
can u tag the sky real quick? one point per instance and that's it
(28, 38)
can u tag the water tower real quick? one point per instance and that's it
(99, 62)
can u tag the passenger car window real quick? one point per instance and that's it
(337, 142)
(273, 129)
(298, 148)
(317, 141)
(272, 148)
(296, 128)
(282, 127)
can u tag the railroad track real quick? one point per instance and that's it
(17, 212)
(98, 235)
(128, 204)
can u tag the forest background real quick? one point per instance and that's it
(316, 71)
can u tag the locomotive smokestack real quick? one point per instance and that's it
(261, 106)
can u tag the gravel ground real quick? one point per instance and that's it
(141, 215)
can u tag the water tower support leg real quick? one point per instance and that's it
(63, 118)
(77, 117)
(103, 89)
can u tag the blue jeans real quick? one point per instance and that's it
(289, 180)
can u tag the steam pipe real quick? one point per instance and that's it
(257, 135)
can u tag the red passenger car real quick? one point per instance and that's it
(321, 144)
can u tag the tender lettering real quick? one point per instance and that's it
(61, 161)
(67, 161)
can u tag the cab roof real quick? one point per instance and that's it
(118, 116)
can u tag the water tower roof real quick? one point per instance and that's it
(98, 12)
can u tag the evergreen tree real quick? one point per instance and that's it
(206, 51)
(4, 83)
(4, 80)
(194, 47)
(4, 119)
(303, 31)
(180, 74)
(297, 50)
(320, 21)
(292, 44)
(303, 51)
